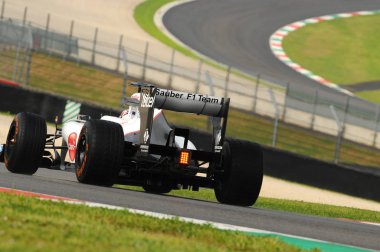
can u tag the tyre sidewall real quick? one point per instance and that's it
(103, 154)
(30, 138)
(241, 180)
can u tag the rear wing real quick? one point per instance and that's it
(152, 97)
(190, 103)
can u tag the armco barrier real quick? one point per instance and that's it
(16, 99)
(356, 181)
(361, 182)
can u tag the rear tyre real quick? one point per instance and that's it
(241, 179)
(99, 152)
(25, 143)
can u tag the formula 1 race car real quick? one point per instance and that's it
(141, 148)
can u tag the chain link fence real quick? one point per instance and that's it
(15, 51)
(76, 42)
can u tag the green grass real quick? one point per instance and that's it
(74, 80)
(104, 88)
(293, 206)
(345, 51)
(29, 224)
(7, 64)
(373, 96)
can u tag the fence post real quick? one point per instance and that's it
(125, 76)
(2, 10)
(119, 52)
(145, 60)
(70, 38)
(15, 70)
(47, 31)
(94, 46)
(200, 64)
(24, 18)
(21, 71)
(315, 104)
(285, 102)
(339, 135)
(29, 63)
(338, 145)
(171, 69)
(210, 83)
(346, 107)
(256, 90)
(277, 113)
(376, 128)
(227, 80)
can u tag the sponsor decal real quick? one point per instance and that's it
(146, 136)
(170, 93)
(72, 142)
(188, 96)
(72, 110)
(144, 148)
(147, 100)
(218, 148)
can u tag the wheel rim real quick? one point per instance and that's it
(80, 156)
(81, 151)
(11, 140)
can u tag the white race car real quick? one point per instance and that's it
(141, 148)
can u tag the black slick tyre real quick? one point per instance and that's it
(99, 154)
(25, 143)
(241, 179)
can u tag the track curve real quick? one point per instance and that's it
(237, 32)
(64, 184)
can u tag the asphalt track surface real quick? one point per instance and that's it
(237, 32)
(60, 183)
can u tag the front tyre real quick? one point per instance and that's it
(241, 179)
(99, 152)
(25, 143)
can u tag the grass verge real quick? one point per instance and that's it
(36, 225)
(292, 206)
(345, 51)
(373, 96)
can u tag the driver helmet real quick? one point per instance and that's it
(133, 111)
